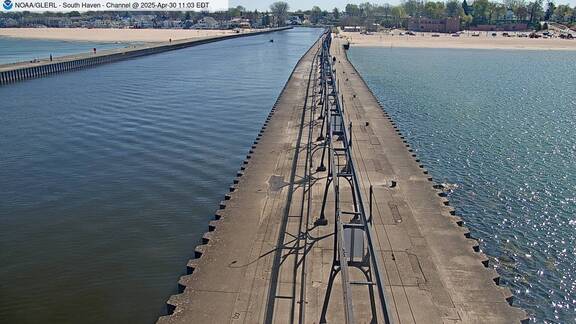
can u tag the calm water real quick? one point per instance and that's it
(501, 125)
(19, 49)
(110, 175)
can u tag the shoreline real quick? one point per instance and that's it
(127, 43)
(112, 35)
(20, 71)
(464, 41)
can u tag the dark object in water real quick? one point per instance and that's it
(271, 41)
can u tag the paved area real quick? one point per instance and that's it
(264, 260)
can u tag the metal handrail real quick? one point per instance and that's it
(346, 139)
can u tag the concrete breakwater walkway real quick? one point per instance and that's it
(15, 72)
(267, 257)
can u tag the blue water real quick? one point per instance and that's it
(502, 126)
(110, 175)
(20, 49)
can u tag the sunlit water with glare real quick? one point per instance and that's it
(502, 126)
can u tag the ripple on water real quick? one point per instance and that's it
(110, 175)
(488, 121)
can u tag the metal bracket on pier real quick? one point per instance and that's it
(353, 233)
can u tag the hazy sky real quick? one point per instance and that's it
(300, 4)
(326, 4)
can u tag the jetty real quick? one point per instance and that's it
(14, 72)
(333, 219)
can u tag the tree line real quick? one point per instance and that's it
(478, 12)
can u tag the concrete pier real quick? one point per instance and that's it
(265, 259)
(15, 72)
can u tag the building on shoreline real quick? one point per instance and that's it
(502, 26)
(444, 25)
(207, 23)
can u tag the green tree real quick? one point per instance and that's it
(353, 10)
(385, 10)
(491, 10)
(535, 10)
(482, 10)
(563, 13)
(466, 20)
(236, 12)
(467, 9)
(434, 10)
(315, 14)
(336, 13)
(500, 11)
(521, 12)
(279, 10)
(413, 8)
(398, 14)
(453, 9)
(367, 9)
(550, 8)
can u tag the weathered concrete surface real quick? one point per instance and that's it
(19, 71)
(265, 261)
(230, 281)
(434, 274)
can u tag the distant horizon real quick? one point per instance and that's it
(264, 5)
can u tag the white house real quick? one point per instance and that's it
(207, 23)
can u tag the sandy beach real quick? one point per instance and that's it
(484, 41)
(110, 35)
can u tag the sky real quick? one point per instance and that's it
(263, 5)
(300, 4)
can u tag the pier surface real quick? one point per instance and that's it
(265, 261)
(20, 71)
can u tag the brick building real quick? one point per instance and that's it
(445, 25)
(502, 27)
